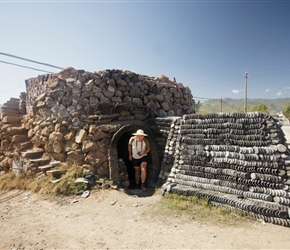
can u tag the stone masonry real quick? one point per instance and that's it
(73, 115)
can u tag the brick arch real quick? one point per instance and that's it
(153, 168)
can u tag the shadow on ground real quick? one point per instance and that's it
(140, 192)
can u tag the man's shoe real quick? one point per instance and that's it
(143, 187)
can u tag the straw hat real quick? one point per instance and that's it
(140, 132)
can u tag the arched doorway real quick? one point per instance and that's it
(126, 172)
(119, 150)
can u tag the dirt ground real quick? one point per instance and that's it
(115, 219)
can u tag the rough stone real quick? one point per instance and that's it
(19, 138)
(81, 136)
(75, 157)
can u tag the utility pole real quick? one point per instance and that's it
(246, 87)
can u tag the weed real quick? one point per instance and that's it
(66, 186)
(198, 209)
(10, 181)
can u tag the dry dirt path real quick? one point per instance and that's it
(110, 219)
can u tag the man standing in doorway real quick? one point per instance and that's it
(138, 148)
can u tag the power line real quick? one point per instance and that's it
(26, 67)
(205, 98)
(6, 90)
(216, 79)
(230, 105)
(238, 74)
(29, 60)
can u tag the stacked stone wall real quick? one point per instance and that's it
(130, 94)
(74, 114)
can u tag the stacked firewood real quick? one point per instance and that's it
(238, 160)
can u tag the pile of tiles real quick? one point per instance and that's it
(236, 160)
(165, 136)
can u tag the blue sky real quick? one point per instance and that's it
(206, 45)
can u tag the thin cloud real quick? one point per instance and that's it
(236, 91)
(279, 93)
(268, 90)
(287, 89)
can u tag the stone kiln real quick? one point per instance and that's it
(87, 118)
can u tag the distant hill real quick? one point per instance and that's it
(237, 105)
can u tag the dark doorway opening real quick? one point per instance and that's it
(121, 169)
(123, 156)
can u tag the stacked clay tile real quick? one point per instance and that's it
(166, 128)
(236, 160)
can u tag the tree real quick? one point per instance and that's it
(286, 111)
(261, 107)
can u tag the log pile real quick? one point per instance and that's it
(238, 160)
